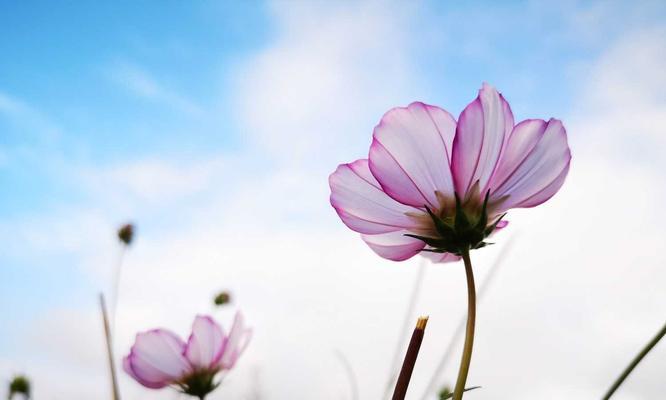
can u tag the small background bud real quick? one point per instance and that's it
(222, 298)
(19, 385)
(126, 234)
(445, 393)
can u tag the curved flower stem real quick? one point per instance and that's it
(635, 362)
(483, 288)
(469, 333)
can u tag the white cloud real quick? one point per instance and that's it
(622, 108)
(310, 92)
(157, 180)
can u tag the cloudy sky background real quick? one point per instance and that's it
(214, 125)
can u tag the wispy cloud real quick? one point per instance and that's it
(309, 93)
(143, 84)
(622, 106)
(29, 121)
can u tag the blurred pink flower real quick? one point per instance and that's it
(160, 358)
(402, 198)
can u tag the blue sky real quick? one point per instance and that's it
(72, 111)
(63, 62)
(200, 120)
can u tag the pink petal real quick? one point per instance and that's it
(127, 367)
(483, 128)
(362, 204)
(204, 347)
(523, 139)
(440, 257)
(534, 165)
(236, 342)
(156, 359)
(410, 152)
(394, 246)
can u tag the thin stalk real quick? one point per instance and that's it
(109, 348)
(635, 362)
(116, 286)
(410, 359)
(469, 333)
(460, 328)
(413, 298)
(351, 376)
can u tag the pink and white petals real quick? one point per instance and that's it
(156, 359)
(440, 257)
(159, 358)
(235, 344)
(362, 204)
(394, 246)
(365, 208)
(206, 343)
(483, 128)
(420, 158)
(534, 166)
(410, 154)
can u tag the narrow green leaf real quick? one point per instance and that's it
(448, 396)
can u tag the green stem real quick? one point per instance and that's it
(634, 363)
(116, 287)
(469, 333)
(109, 349)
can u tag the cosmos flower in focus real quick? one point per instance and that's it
(159, 358)
(439, 186)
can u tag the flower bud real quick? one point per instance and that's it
(222, 298)
(445, 393)
(126, 234)
(19, 385)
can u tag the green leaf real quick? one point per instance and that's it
(448, 396)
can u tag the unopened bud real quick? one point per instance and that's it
(445, 393)
(222, 298)
(126, 234)
(19, 385)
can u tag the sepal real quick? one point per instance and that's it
(457, 233)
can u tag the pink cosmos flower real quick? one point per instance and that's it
(160, 358)
(431, 183)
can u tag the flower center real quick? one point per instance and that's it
(454, 228)
(199, 383)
